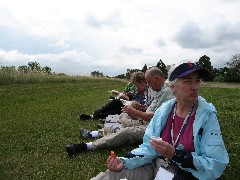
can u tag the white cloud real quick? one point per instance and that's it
(77, 36)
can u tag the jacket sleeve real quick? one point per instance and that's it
(145, 153)
(210, 157)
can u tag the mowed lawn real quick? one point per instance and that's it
(38, 120)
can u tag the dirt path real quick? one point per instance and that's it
(221, 85)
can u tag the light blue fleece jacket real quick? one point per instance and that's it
(210, 157)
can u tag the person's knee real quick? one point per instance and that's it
(125, 130)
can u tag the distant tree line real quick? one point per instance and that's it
(97, 74)
(231, 73)
(224, 74)
(32, 67)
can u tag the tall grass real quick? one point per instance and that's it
(16, 77)
(38, 120)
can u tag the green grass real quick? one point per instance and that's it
(38, 120)
(226, 102)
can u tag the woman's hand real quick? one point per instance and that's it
(162, 147)
(114, 164)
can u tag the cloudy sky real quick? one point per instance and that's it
(111, 36)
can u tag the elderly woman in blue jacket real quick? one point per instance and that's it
(183, 138)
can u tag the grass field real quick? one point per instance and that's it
(38, 120)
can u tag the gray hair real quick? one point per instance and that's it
(155, 72)
(171, 69)
(171, 83)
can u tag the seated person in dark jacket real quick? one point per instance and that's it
(115, 106)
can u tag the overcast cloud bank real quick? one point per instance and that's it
(79, 37)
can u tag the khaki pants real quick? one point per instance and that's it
(128, 121)
(146, 172)
(127, 135)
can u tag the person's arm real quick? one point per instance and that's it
(145, 153)
(146, 116)
(167, 150)
(210, 157)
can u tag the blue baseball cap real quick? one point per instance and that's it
(188, 68)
